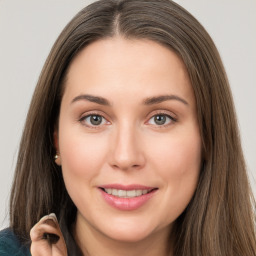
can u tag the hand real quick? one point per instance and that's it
(47, 239)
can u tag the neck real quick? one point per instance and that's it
(92, 242)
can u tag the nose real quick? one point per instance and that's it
(126, 150)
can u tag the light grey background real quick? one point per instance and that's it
(28, 28)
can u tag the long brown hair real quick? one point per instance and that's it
(220, 218)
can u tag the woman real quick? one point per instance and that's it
(131, 141)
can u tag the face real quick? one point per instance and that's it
(128, 138)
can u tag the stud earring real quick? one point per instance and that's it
(57, 159)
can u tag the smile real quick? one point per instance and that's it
(126, 193)
(127, 198)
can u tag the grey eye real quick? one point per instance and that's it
(160, 119)
(95, 119)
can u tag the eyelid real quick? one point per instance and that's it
(167, 113)
(91, 113)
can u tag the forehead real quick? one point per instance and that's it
(139, 67)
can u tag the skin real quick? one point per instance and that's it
(128, 147)
(41, 246)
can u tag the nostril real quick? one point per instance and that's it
(126, 167)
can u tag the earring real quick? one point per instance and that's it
(57, 159)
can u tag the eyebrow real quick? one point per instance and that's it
(148, 101)
(91, 98)
(162, 98)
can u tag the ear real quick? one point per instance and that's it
(56, 146)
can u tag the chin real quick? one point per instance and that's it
(129, 237)
(130, 234)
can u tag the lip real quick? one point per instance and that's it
(127, 204)
(126, 187)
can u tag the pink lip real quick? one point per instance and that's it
(126, 187)
(127, 204)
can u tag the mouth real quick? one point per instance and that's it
(127, 193)
(127, 197)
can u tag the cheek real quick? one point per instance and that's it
(178, 161)
(178, 156)
(81, 155)
(81, 161)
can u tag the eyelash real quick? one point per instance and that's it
(172, 119)
(82, 120)
(160, 113)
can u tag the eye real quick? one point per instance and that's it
(93, 120)
(161, 120)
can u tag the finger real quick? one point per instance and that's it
(47, 238)
(42, 231)
(47, 225)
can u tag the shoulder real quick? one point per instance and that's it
(10, 244)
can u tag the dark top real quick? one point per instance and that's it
(10, 244)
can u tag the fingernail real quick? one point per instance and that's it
(53, 215)
(44, 218)
(50, 216)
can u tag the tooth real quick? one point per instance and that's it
(144, 191)
(126, 193)
(138, 192)
(121, 193)
(114, 192)
(108, 190)
(131, 193)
